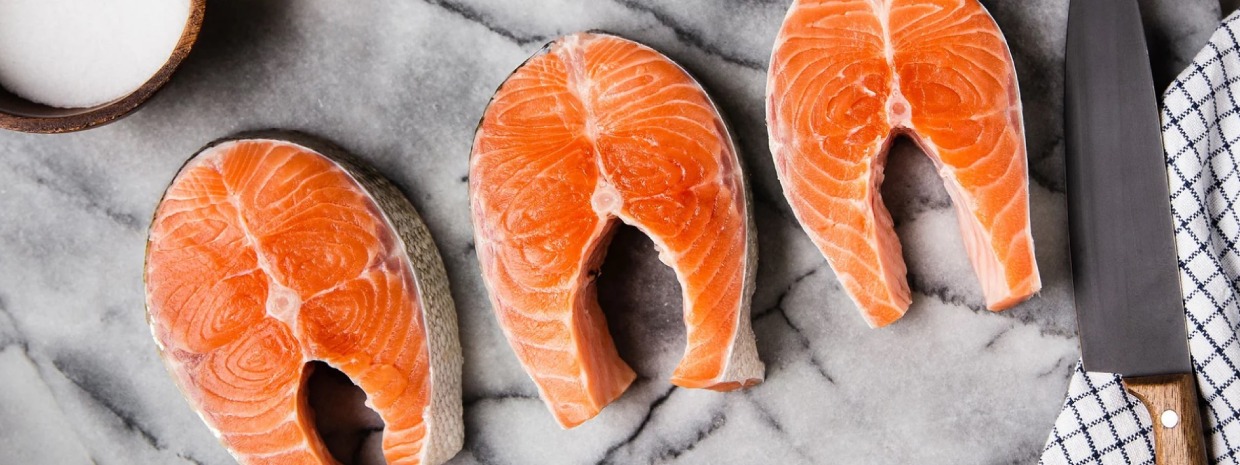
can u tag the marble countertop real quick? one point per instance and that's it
(402, 84)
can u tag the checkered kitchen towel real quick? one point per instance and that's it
(1100, 423)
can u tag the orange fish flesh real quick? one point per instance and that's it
(846, 76)
(591, 131)
(265, 255)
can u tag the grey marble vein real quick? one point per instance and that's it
(465, 11)
(641, 427)
(402, 85)
(690, 37)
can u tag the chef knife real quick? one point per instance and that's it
(1129, 308)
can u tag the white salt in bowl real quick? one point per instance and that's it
(19, 114)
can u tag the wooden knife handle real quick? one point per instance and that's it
(1172, 402)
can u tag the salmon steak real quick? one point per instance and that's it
(845, 78)
(591, 131)
(266, 254)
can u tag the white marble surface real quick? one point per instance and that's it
(403, 84)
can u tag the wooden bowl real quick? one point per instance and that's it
(19, 114)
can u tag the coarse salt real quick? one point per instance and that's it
(82, 53)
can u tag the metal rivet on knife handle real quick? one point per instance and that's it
(1169, 419)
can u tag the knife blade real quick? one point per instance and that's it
(1127, 290)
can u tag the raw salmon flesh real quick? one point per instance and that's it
(845, 78)
(593, 130)
(264, 255)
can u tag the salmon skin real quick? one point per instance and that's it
(845, 78)
(266, 254)
(593, 130)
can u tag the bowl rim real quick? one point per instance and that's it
(99, 115)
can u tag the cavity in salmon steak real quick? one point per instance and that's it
(593, 130)
(266, 254)
(848, 76)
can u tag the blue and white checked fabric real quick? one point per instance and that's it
(1100, 422)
